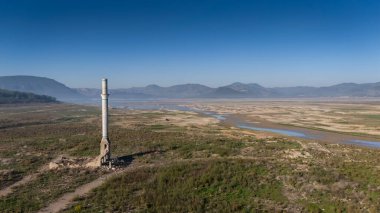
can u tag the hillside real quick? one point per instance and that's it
(339, 90)
(13, 97)
(240, 90)
(38, 85)
(50, 87)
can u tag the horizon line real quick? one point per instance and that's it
(178, 84)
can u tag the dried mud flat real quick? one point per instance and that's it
(163, 117)
(358, 117)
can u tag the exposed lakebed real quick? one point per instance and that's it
(298, 132)
(239, 122)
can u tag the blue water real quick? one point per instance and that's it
(372, 144)
(290, 133)
(149, 106)
(251, 127)
(217, 116)
(157, 107)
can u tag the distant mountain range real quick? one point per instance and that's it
(240, 90)
(40, 86)
(14, 97)
(46, 86)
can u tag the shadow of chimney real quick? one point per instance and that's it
(126, 160)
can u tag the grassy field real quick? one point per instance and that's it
(180, 162)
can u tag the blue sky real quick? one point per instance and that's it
(212, 42)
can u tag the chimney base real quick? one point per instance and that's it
(105, 152)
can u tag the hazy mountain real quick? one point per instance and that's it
(88, 92)
(351, 89)
(177, 91)
(115, 93)
(14, 97)
(295, 92)
(125, 94)
(189, 90)
(339, 90)
(224, 92)
(50, 87)
(251, 90)
(38, 85)
(241, 90)
(153, 91)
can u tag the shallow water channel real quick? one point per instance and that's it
(296, 132)
(299, 132)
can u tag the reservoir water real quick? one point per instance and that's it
(277, 131)
(372, 144)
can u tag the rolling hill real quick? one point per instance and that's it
(240, 90)
(38, 85)
(50, 87)
(14, 97)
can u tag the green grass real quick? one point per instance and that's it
(372, 116)
(216, 186)
(46, 188)
(34, 135)
(197, 169)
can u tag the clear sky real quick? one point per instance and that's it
(212, 42)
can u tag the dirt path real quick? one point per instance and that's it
(9, 189)
(64, 201)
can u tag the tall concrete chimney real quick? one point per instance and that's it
(105, 151)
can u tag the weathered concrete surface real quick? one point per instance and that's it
(105, 144)
(105, 152)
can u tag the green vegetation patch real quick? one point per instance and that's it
(31, 136)
(215, 185)
(14, 97)
(45, 189)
